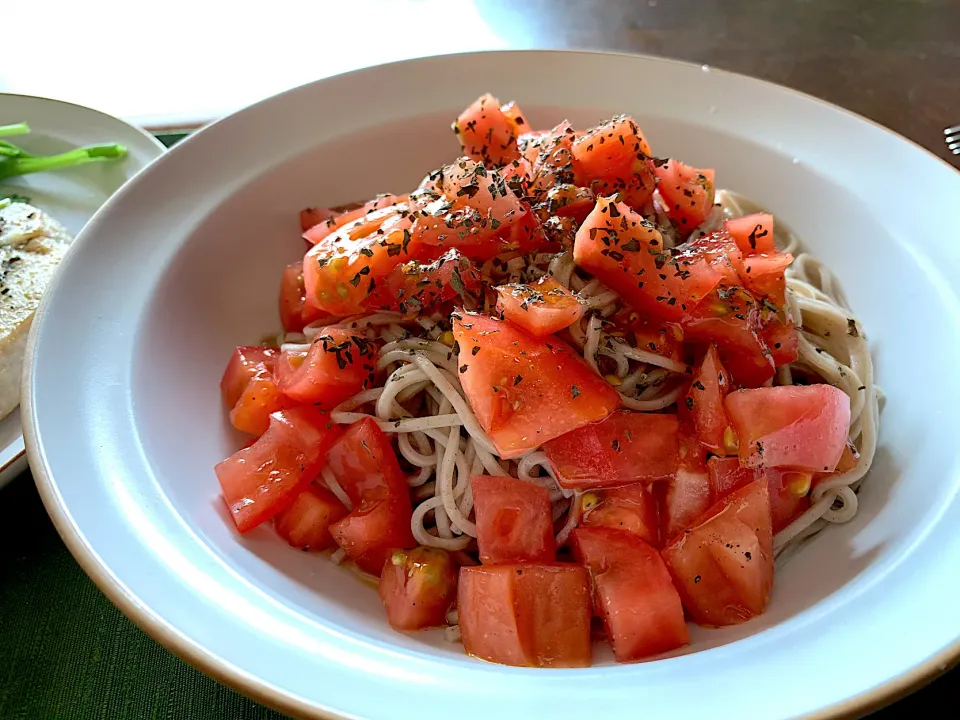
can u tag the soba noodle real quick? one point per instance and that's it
(438, 435)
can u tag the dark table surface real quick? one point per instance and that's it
(66, 652)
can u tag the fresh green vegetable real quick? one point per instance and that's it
(17, 161)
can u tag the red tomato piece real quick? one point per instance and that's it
(526, 615)
(514, 523)
(633, 593)
(482, 189)
(306, 523)
(370, 533)
(687, 193)
(246, 363)
(789, 495)
(417, 588)
(710, 386)
(722, 566)
(547, 159)
(626, 253)
(525, 391)
(752, 233)
(848, 461)
(630, 508)
(688, 494)
(798, 427)
(292, 297)
(541, 308)
(413, 286)
(626, 447)
(261, 398)
(730, 317)
(488, 131)
(763, 275)
(614, 159)
(262, 480)
(334, 220)
(344, 267)
(720, 251)
(365, 465)
(339, 364)
(569, 201)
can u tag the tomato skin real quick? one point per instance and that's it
(710, 386)
(366, 468)
(722, 566)
(633, 593)
(752, 233)
(626, 447)
(246, 362)
(292, 298)
(514, 523)
(541, 308)
(262, 480)
(370, 533)
(488, 131)
(526, 615)
(311, 217)
(626, 253)
(687, 192)
(799, 427)
(306, 523)
(763, 275)
(261, 398)
(629, 508)
(417, 588)
(550, 391)
(338, 365)
(779, 335)
(688, 494)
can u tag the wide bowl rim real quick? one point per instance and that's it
(266, 692)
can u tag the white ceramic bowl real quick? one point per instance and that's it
(125, 421)
(72, 195)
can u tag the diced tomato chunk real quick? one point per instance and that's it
(526, 615)
(688, 494)
(523, 390)
(687, 193)
(541, 308)
(763, 275)
(344, 267)
(370, 533)
(710, 386)
(626, 253)
(753, 233)
(261, 398)
(339, 364)
(626, 447)
(246, 363)
(262, 480)
(335, 220)
(643, 332)
(722, 566)
(547, 159)
(311, 217)
(292, 297)
(633, 593)
(630, 508)
(365, 466)
(414, 287)
(613, 159)
(514, 523)
(799, 427)
(306, 523)
(417, 588)
(779, 335)
(488, 131)
(727, 476)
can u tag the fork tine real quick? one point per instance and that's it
(952, 130)
(954, 148)
(952, 138)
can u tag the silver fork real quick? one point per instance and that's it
(952, 138)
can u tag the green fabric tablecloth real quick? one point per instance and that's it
(66, 652)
